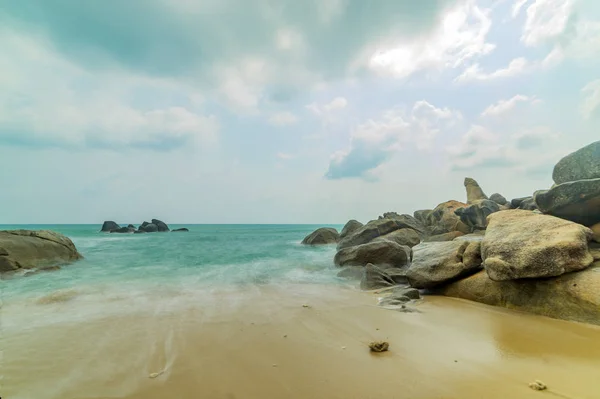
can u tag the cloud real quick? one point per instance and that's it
(591, 102)
(516, 8)
(504, 106)
(459, 38)
(546, 19)
(516, 67)
(285, 118)
(285, 156)
(375, 141)
(336, 104)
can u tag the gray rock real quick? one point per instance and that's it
(498, 199)
(351, 272)
(122, 230)
(475, 216)
(109, 225)
(350, 227)
(422, 216)
(444, 237)
(520, 244)
(474, 192)
(437, 263)
(582, 164)
(407, 237)
(382, 253)
(322, 236)
(149, 228)
(525, 203)
(408, 292)
(130, 226)
(374, 278)
(162, 226)
(578, 201)
(183, 229)
(377, 228)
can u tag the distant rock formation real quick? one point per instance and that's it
(183, 229)
(145, 227)
(109, 225)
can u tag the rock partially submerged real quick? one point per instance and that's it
(521, 244)
(380, 253)
(29, 249)
(146, 227)
(182, 229)
(109, 225)
(350, 227)
(322, 236)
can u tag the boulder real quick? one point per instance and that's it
(28, 249)
(162, 226)
(144, 224)
(520, 244)
(408, 292)
(474, 192)
(596, 230)
(374, 278)
(350, 227)
(525, 203)
(109, 225)
(582, 164)
(149, 228)
(322, 236)
(422, 216)
(444, 237)
(475, 216)
(572, 296)
(498, 199)
(183, 229)
(130, 226)
(381, 253)
(377, 228)
(139, 231)
(351, 272)
(578, 201)
(437, 263)
(407, 237)
(443, 219)
(122, 230)
(405, 220)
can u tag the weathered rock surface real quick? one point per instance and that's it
(498, 199)
(183, 229)
(436, 263)
(443, 219)
(381, 253)
(374, 278)
(27, 249)
(322, 236)
(377, 228)
(407, 237)
(162, 226)
(521, 244)
(596, 230)
(109, 225)
(572, 296)
(350, 228)
(444, 237)
(474, 192)
(578, 201)
(582, 164)
(422, 216)
(475, 216)
(476, 236)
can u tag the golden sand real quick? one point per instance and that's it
(271, 346)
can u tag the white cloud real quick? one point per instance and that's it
(289, 40)
(503, 106)
(373, 142)
(285, 118)
(285, 156)
(546, 19)
(516, 67)
(336, 104)
(516, 9)
(591, 102)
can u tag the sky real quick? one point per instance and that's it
(287, 111)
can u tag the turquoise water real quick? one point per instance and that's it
(208, 256)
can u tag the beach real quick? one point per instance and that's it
(290, 341)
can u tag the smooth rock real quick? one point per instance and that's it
(474, 192)
(475, 216)
(374, 278)
(162, 226)
(582, 164)
(443, 219)
(436, 263)
(350, 227)
(516, 202)
(572, 296)
(377, 228)
(381, 253)
(109, 225)
(322, 236)
(444, 237)
(521, 244)
(578, 201)
(498, 199)
(407, 237)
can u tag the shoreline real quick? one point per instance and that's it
(244, 347)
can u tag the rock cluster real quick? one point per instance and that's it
(153, 226)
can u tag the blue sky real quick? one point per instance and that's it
(236, 111)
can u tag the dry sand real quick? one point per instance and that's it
(268, 345)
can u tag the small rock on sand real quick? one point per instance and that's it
(537, 385)
(379, 346)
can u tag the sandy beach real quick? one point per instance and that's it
(265, 343)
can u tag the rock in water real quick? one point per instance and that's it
(381, 253)
(322, 236)
(578, 201)
(374, 278)
(572, 296)
(521, 244)
(407, 237)
(27, 249)
(109, 225)
(377, 228)
(149, 228)
(474, 192)
(162, 226)
(498, 199)
(183, 229)
(436, 263)
(475, 216)
(122, 230)
(350, 227)
(582, 164)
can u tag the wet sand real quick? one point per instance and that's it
(266, 344)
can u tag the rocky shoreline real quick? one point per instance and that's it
(538, 254)
(153, 226)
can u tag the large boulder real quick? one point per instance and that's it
(475, 216)
(350, 227)
(525, 203)
(578, 201)
(521, 244)
(474, 192)
(162, 226)
(572, 296)
(422, 216)
(437, 263)
(322, 236)
(148, 228)
(381, 253)
(123, 230)
(377, 228)
(28, 249)
(498, 199)
(444, 220)
(582, 164)
(108, 226)
(374, 278)
(407, 237)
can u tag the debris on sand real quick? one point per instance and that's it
(307, 306)
(154, 375)
(379, 346)
(537, 385)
